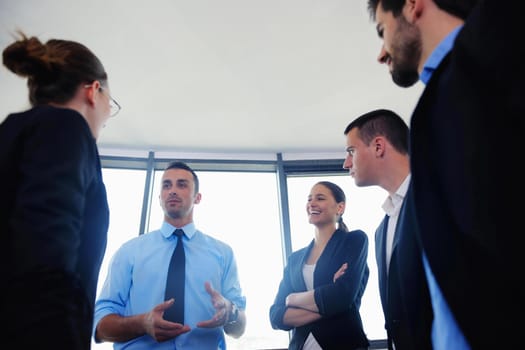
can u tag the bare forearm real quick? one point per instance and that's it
(303, 300)
(115, 328)
(299, 317)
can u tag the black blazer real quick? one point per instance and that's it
(404, 293)
(466, 153)
(341, 326)
(53, 222)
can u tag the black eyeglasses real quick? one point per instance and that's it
(113, 104)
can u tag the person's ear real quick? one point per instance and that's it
(379, 144)
(91, 92)
(198, 198)
(341, 208)
(413, 10)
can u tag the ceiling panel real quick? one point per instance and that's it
(241, 76)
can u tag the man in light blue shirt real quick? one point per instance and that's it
(130, 308)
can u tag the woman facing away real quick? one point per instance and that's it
(320, 293)
(53, 208)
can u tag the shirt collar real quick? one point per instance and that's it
(438, 54)
(167, 229)
(393, 203)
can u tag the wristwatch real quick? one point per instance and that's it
(234, 314)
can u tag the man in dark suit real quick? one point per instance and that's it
(464, 149)
(377, 155)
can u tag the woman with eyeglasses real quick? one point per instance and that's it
(54, 213)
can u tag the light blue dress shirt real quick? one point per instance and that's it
(438, 54)
(136, 283)
(446, 334)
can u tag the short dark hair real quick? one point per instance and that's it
(458, 8)
(382, 122)
(181, 165)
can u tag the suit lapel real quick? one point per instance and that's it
(382, 230)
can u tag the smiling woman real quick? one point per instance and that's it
(319, 296)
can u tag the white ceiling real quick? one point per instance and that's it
(210, 76)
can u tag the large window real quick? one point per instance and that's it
(125, 196)
(125, 190)
(243, 209)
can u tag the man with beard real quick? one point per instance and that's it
(465, 206)
(133, 310)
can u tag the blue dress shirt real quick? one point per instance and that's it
(136, 283)
(438, 54)
(446, 334)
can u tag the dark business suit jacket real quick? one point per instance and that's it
(404, 293)
(341, 326)
(53, 226)
(466, 154)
